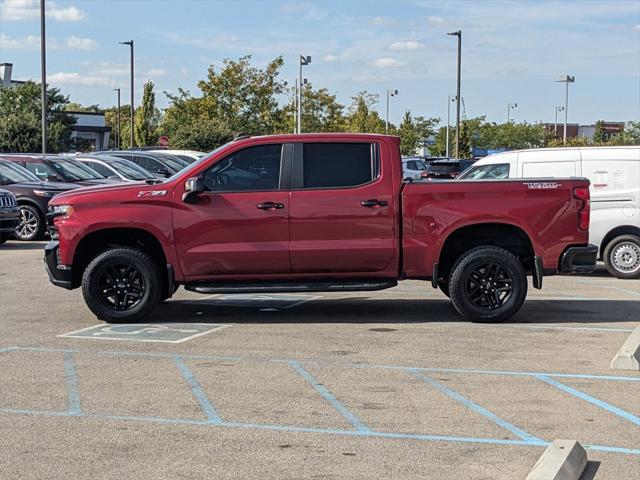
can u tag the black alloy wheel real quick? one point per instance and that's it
(120, 286)
(488, 284)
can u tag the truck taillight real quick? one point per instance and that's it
(582, 194)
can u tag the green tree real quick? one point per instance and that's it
(111, 120)
(414, 131)
(362, 116)
(147, 118)
(321, 112)
(245, 97)
(204, 135)
(599, 136)
(20, 127)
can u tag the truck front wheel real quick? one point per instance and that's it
(122, 285)
(488, 284)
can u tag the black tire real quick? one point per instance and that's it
(31, 225)
(108, 293)
(444, 288)
(622, 257)
(488, 284)
(3, 238)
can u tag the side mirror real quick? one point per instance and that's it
(164, 172)
(192, 187)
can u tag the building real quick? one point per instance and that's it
(610, 129)
(90, 126)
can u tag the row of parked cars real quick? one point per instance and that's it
(28, 182)
(434, 168)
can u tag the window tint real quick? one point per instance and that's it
(327, 165)
(411, 165)
(488, 172)
(253, 168)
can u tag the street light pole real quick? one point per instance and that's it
(509, 107)
(132, 141)
(449, 100)
(117, 142)
(555, 125)
(459, 35)
(303, 61)
(43, 70)
(566, 79)
(390, 93)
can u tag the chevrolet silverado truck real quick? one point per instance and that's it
(315, 212)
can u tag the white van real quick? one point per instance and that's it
(614, 173)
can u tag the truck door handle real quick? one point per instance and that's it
(270, 206)
(374, 203)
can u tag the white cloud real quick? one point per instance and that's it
(435, 20)
(369, 78)
(329, 58)
(183, 71)
(74, 78)
(15, 10)
(386, 63)
(80, 43)
(408, 45)
(637, 27)
(156, 72)
(110, 69)
(30, 42)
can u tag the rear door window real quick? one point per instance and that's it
(41, 170)
(337, 165)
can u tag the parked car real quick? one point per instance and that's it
(615, 193)
(157, 164)
(414, 168)
(32, 195)
(115, 167)
(188, 156)
(9, 215)
(315, 212)
(447, 169)
(59, 169)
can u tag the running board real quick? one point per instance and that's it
(288, 287)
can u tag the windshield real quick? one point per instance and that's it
(486, 172)
(130, 169)
(198, 162)
(15, 174)
(74, 171)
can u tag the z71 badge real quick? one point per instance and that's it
(542, 185)
(151, 193)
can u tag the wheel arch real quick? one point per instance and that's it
(505, 235)
(614, 233)
(99, 240)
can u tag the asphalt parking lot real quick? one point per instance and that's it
(389, 384)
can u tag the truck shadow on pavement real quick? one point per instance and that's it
(359, 310)
(23, 246)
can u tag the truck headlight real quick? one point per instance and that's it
(61, 210)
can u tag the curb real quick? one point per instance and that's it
(628, 357)
(562, 460)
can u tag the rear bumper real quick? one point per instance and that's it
(59, 275)
(579, 259)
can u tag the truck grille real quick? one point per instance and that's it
(7, 201)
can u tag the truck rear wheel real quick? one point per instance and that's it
(488, 284)
(622, 256)
(122, 285)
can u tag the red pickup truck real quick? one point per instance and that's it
(315, 212)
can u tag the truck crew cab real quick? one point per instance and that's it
(315, 212)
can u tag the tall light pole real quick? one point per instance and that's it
(390, 93)
(566, 79)
(303, 61)
(130, 43)
(117, 142)
(43, 71)
(449, 100)
(459, 35)
(510, 106)
(555, 125)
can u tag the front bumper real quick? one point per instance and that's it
(59, 275)
(579, 259)
(9, 219)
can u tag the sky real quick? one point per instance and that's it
(512, 51)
